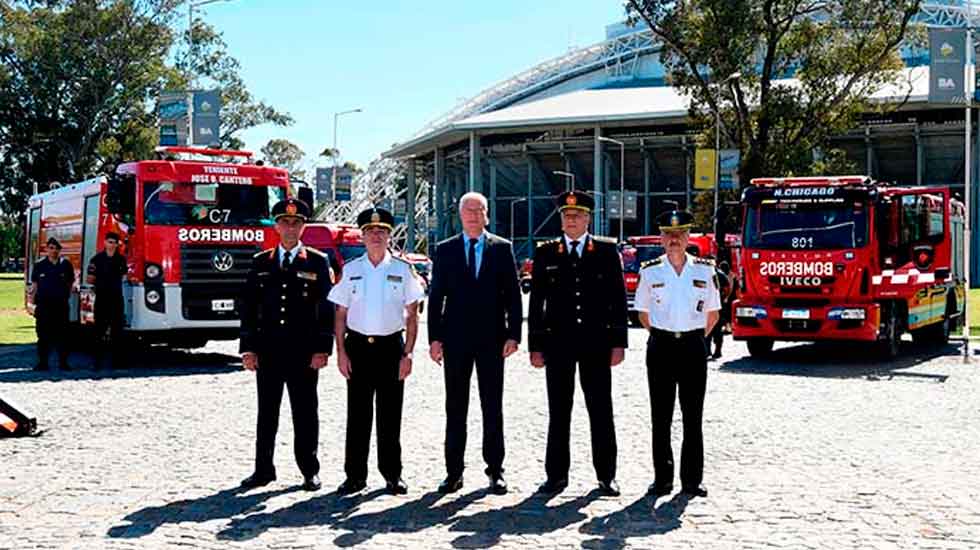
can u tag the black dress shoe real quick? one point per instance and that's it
(609, 488)
(497, 485)
(695, 491)
(553, 486)
(312, 483)
(451, 485)
(659, 490)
(397, 487)
(349, 487)
(257, 480)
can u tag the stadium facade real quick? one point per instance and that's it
(509, 140)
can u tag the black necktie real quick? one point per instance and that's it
(285, 260)
(471, 258)
(573, 250)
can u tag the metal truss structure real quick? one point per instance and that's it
(618, 57)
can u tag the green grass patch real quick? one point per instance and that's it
(16, 328)
(18, 276)
(973, 305)
(11, 294)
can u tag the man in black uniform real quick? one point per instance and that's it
(105, 272)
(51, 281)
(578, 315)
(286, 338)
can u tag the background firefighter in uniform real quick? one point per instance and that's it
(578, 316)
(377, 299)
(679, 304)
(286, 337)
(105, 272)
(51, 282)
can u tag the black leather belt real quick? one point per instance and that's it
(699, 332)
(373, 338)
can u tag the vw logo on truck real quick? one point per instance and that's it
(222, 261)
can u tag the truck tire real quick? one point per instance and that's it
(938, 333)
(888, 343)
(759, 347)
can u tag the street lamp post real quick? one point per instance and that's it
(336, 152)
(622, 181)
(191, 5)
(731, 78)
(569, 175)
(512, 203)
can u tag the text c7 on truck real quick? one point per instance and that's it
(848, 259)
(189, 229)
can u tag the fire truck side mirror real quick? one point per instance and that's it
(305, 194)
(114, 194)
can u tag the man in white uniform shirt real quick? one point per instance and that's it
(678, 303)
(377, 300)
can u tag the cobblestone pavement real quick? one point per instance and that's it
(816, 448)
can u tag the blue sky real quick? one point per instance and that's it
(404, 63)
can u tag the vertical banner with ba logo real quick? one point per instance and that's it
(947, 58)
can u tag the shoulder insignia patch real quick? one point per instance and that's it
(315, 251)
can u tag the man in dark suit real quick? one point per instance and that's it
(475, 316)
(286, 338)
(578, 317)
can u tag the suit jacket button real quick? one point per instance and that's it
(282, 321)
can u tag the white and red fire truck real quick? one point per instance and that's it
(189, 229)
(848, 258)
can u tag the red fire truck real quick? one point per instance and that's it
(189, 229)
(848, 258)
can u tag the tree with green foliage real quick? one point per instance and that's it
(838, 53)
(76, 80)
(283, 153)
(80, 80)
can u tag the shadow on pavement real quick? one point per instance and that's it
(224, 504)
(842, 360)
(531, 516)
(152, 363)
(638, 520)
(336, 511)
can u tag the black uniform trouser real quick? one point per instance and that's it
(677, 366)
(274, 372)
(108, 329)
(457, 371)
(51, 325)
(374, 375)
(595, 377)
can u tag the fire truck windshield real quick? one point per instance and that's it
(794, 226)
(170, 203)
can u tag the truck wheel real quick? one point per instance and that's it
(759, 347)
(888, 343)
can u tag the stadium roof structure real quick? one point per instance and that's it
(609, 106)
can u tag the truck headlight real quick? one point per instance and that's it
(751, 312)
(152, 271)
(846, 314)
(152, 297)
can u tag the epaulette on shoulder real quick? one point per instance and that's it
(400, 259)
(704, 261)
(604, 239)
(315, 251)
(268, 251)
(648, 263)
(551, 242)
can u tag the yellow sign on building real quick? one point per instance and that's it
(705, 168)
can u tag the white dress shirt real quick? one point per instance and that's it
(292, 252)
(580, 246)
(678, 303)
(376, 295)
